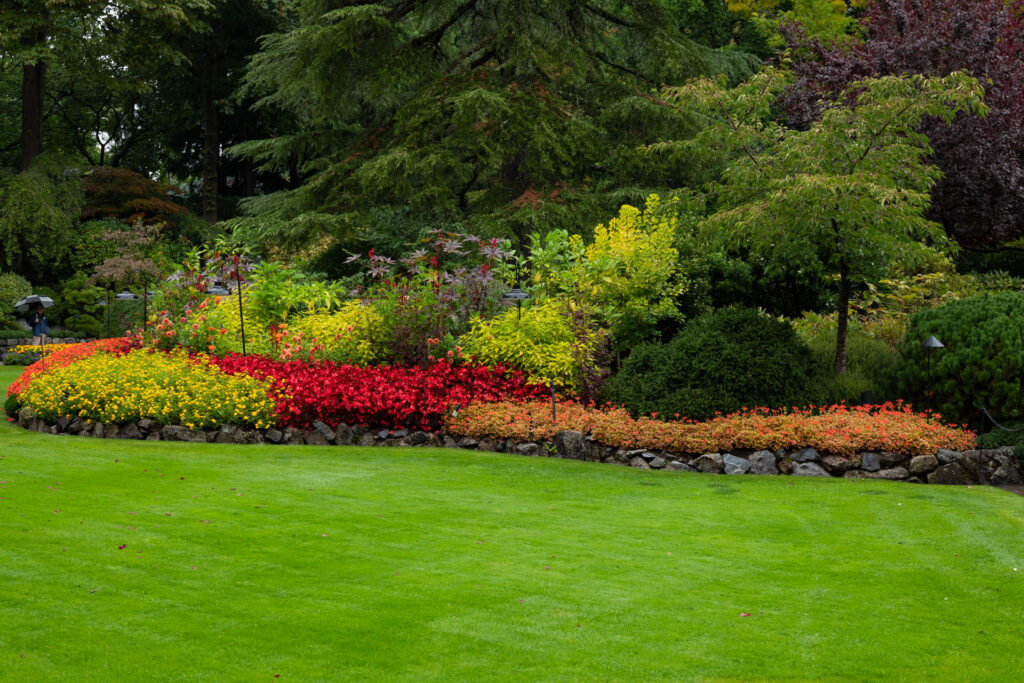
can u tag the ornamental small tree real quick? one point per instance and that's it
(846, 197)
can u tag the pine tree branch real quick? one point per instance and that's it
(435, 36)
(610, 17)
(626, 69)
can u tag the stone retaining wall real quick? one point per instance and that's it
(996, 467)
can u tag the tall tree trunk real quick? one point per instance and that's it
(33, 87)
(211, 142)
(844, 316)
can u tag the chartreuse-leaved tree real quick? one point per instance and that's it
(844, 198)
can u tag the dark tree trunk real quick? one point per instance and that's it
(844, 316)
(33, 87)
(211, 143)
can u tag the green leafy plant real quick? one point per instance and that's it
(12, 288)
(546, 343)
(719, 363)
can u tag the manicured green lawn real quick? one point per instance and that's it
(244, 563)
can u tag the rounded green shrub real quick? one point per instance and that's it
(720, 362)
(982, 362)
(12, 406)
(12, 288)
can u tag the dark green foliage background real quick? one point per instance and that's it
(722, 361)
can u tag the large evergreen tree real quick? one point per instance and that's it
(501, 116)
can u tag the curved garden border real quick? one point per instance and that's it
(995, 467)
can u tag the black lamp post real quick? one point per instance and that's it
(519, 296)
(932, 344)
(125, 296)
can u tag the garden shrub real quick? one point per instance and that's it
(545, 343)
(12, 288)
(171, 388)
(869, 362)
(719, 363)
(11, 406)
(355, 334)
(982, 362)
(630, 275)
(835, 429)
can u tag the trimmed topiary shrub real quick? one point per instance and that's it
(982, 362)
(11, 406)
(720, 362)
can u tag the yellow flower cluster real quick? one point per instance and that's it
(38, 349)
(170, 388)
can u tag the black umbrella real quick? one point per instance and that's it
(31, 301)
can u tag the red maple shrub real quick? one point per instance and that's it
(389, 397)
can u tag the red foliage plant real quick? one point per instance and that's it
(67, 356)
(837, 429)
(390, 397)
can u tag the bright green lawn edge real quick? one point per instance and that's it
(331, 563)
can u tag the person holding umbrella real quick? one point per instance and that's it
(40, 327)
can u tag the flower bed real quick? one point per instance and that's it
(837, 429)
(171, 388)
(386, 396)
(66, 356)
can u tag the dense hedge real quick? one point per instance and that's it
(719, 363)
(982, 362)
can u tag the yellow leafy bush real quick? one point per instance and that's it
(543, 344)
(354, 334)
(170, 388)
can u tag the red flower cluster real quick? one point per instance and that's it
(69, 355)
(838, 429)
(381, 397)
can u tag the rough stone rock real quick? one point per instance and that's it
(648, 456)
(639, 463)
(97, 429)
(63, 423)
(418, 438)
(226, 434)
(891, 460)
(382, 434)
(570, 445)
(951, 473)
(315, 438)
(946, 456)
(657, 462)
(891, 474)
(763, 462)
(468, 442)
(25, 417)
(400, 433)
(869, 462)
(250, 436)
(709, 463)
(836, 464)
(343, 435)
(367, 439)
(997, 467)
(808, 469)
(274, 435)
(179, 433)
(153, 435)
(923, 464)
(324, 430)
(132, 431)
(76, 426)
(806, 455)
(147, 425)
(733, 464)
(293, 436)
(780, 453)
(450, 442)
(786, 466)
(679, 466)
(527, 449)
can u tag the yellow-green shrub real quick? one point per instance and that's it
(170, 388)
(544, 344)
(354, 334)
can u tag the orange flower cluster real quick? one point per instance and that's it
(838, 429)
(67, 356)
